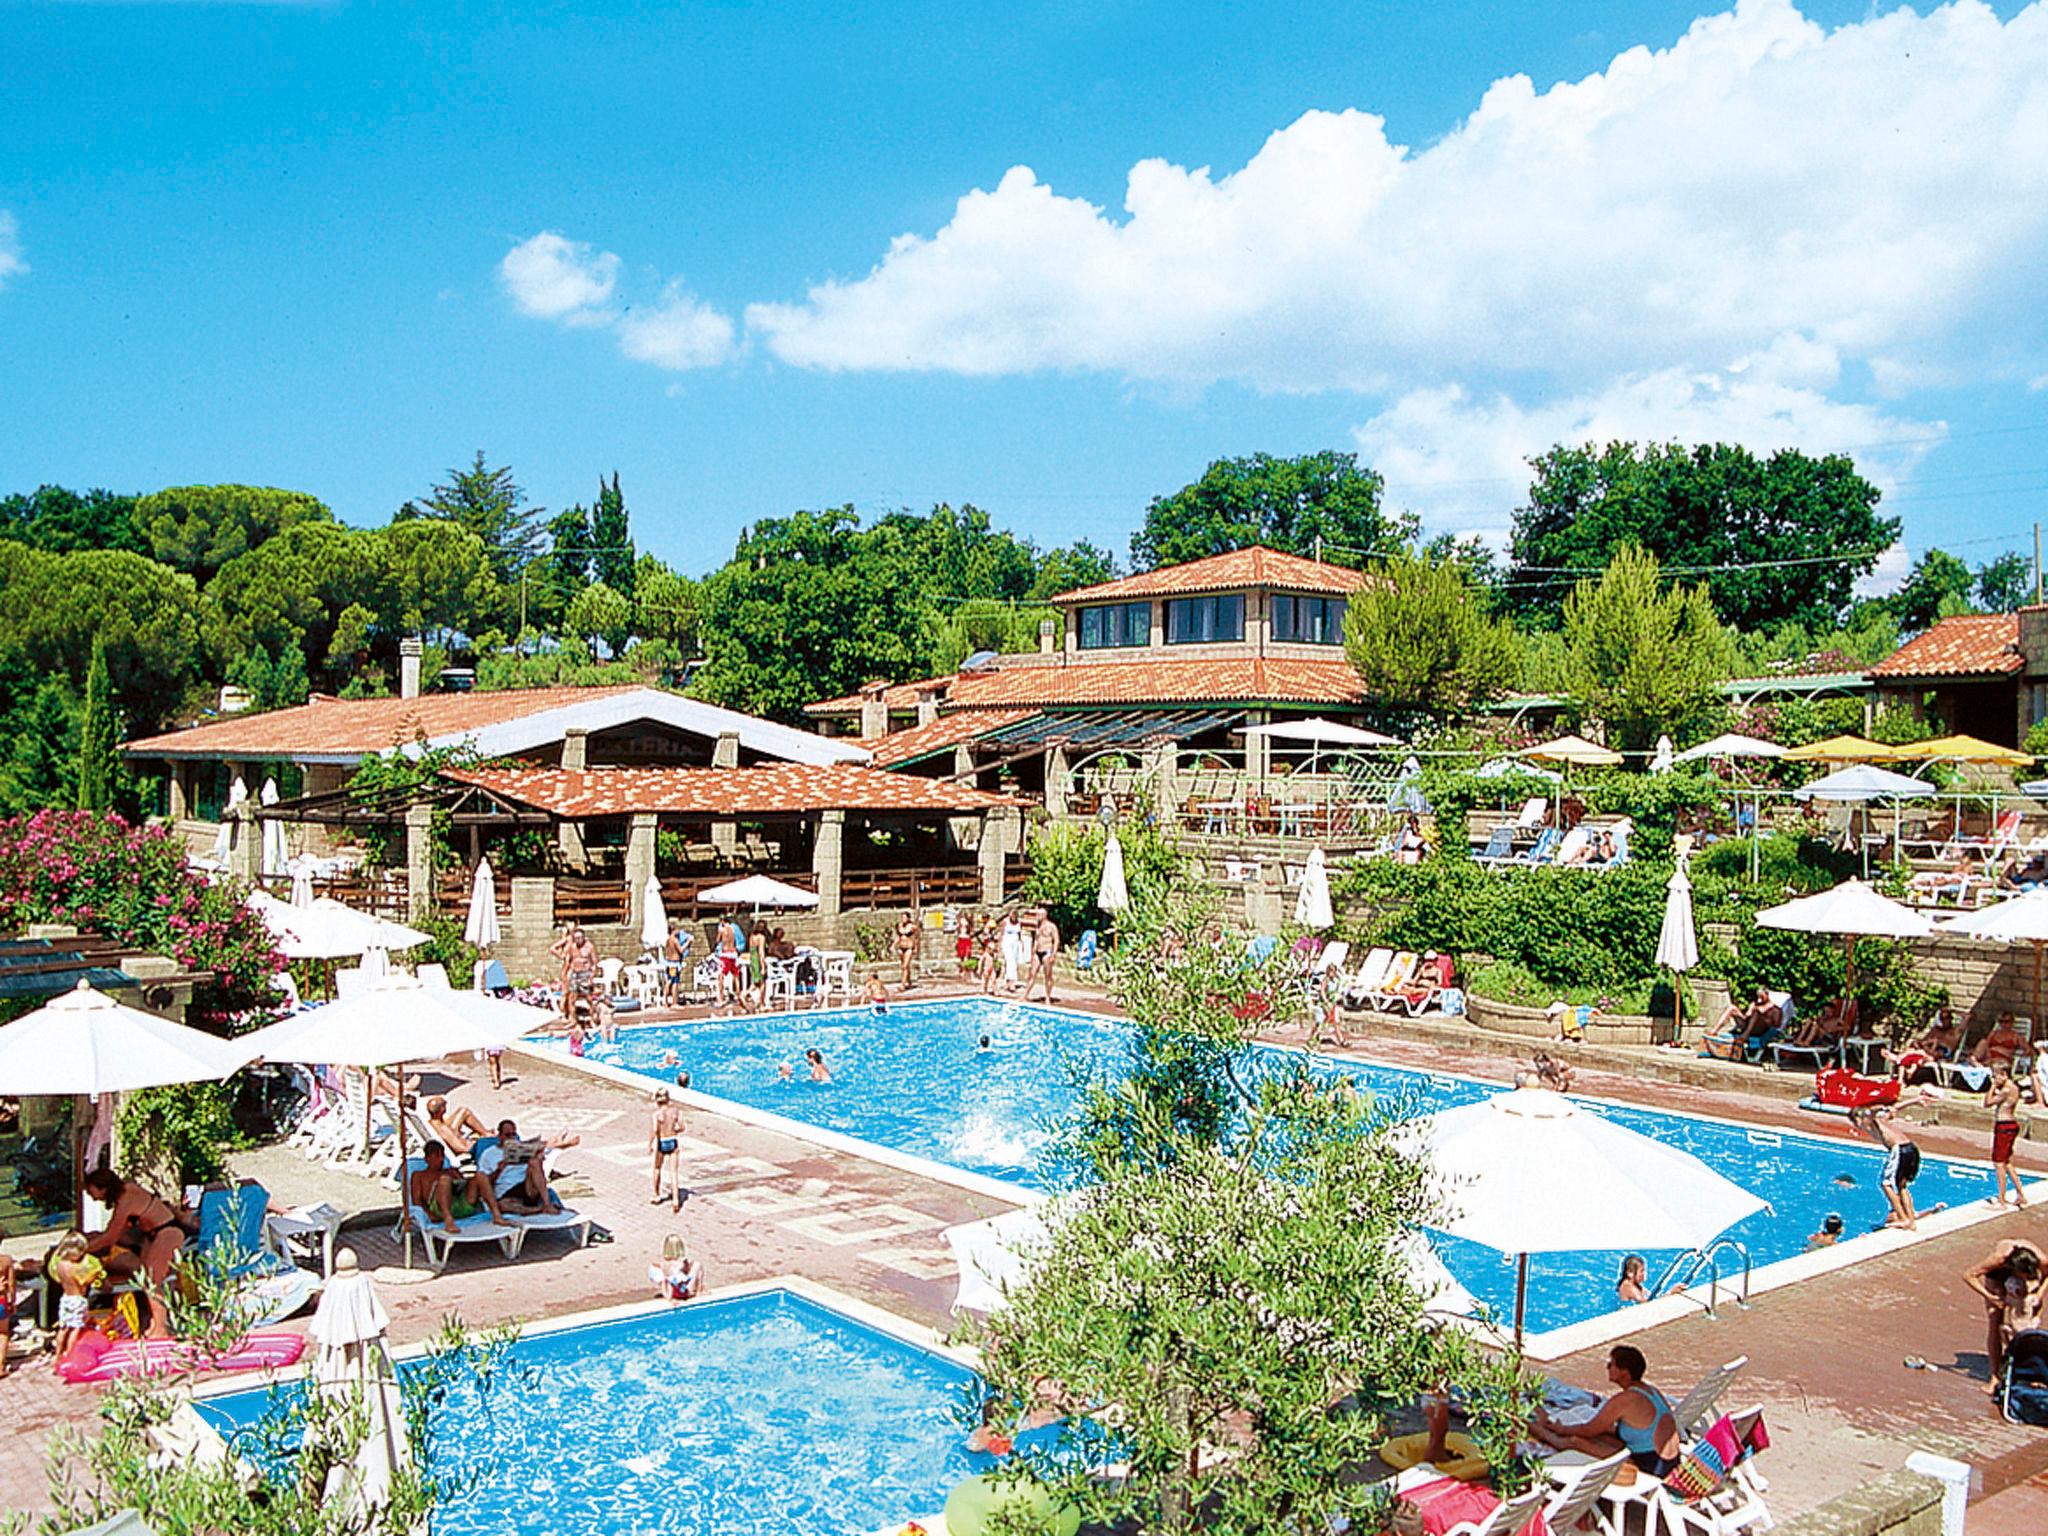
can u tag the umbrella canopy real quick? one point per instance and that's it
(1312, 905)
(1661, 760)
(2021, 919)
(1733, 744)
(1964, 749)
(393, 1020)
(352, 1364)
(1507, 767)
(758, 891)
(653, 917)
(85, 1042)
(1113, 895)
(1574, 749)
(1841, 749)
(273, 832)
(1851, 908)
(325, 929)
(1530, 1172)
(1863, 782)
(480, 927)
(1678, 947)
(1328, 733)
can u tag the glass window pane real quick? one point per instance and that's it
(1229, 612)
(1283, 616)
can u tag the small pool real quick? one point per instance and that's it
(765, 1413)
(917, 1079)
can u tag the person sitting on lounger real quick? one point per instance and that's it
(458, 1131)
(442, 1191)
(2000, 1045)
(1637, 1419)
(517, 1171)
(1938, 1042)
(2025, 874)
(1933, 884)
(1831, 1025)
(1739, 1025)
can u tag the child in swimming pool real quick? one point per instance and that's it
(678, 1277)
(820, 1073)
(878, 994)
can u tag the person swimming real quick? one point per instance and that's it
(983, 1044)
(820, 1073)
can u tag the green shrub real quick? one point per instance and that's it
(1506, 982)
(1066, 870)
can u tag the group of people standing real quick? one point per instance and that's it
(1002, 949)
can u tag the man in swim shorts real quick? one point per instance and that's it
(664, 1140)
(2002, 1098)
(1045, 949)
(1901, 1163)
(726, 948)
(441, 1190)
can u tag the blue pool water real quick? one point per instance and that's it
(760, 1414)
(914, 1079)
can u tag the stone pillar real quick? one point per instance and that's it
(575, 758)
(639, 865)
(1162, 757)
(963, 764)
(245, 842)
(727, 753)
(179, 784)
(927, 705)
(874, 711)
(828, 859)
(419, 859)
(997, 828)
(1057, 774)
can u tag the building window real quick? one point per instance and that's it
(1199, 620)
(1116, 624)
(1309, 620)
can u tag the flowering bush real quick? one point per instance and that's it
(130, 883)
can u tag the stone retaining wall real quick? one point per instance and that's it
(1536, 1024)
(1891, 1504)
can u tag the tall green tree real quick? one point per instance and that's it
(611, 537)
(61, 521)
(326, 590)
(2005, 584)
(1749, 528)
(99, 738)
(1080, 564)
(1642, 657)
(601, 617)
(1419, 637)
(1938, 585)
(1285, 504)
(198, 529)
(490, 504)
(55, 608)
(668, 607)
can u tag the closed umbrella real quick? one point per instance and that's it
(2021, 919)
(1112, 894)
(1660, 760)
(274, 855)
(480, 927)
(1853, 910)
(1312, 904)
(352, 1366)
(302, 885)
(653, 918)
(1531, 1172)
(224, 838)
(1678, 947)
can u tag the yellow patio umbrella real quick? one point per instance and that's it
(1964, 749)
(1574, 749)
(1842, 749)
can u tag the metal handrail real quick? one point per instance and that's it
(1708, 1258)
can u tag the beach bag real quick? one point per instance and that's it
(1843, 1089)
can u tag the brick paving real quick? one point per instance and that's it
(1826, 1355)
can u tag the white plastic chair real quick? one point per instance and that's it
(836, 975)
(781, 982)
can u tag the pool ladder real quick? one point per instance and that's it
(1686, 1268)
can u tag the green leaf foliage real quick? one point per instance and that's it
(1284, 504)
(1066, 870)
(61, 522)
(1420, 638)
(198, 529)
(1643, 659)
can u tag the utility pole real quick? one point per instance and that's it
(2037, 565)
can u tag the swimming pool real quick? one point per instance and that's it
(917, 1080)
(761, 1413)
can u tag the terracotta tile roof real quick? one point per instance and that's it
(364, 725)
(938, 735)
(499, 724)
(1972, 645)
(900, 697)
(1166, 680)
(1254, 567)
(779, 789)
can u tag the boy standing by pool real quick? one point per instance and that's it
(664, 1140)
(1901, 1163)
(2002, 1098)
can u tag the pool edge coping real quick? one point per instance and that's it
(1551, 1344)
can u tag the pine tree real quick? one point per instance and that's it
(611, 537)
(99, 738)
(491, 505)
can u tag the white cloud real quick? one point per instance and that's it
(12, 263)
(680, 333)
(1881, 189)
(1461, 461)
(554, 278)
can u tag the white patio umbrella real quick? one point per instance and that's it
(224, 839)
(1312, 903)
(1529, 1171)
(1853, 910)
(1732, 744)
(480, 927)
(274, 855)
(325, 929)
(1678, 947)
(2021, 919)
(393, 1021)
(352, 1364)
(758, 891)
(1862, 783)
(1660, 761)
(1322, 733)
(83, 1041)
(1112, 894)
(653, 917)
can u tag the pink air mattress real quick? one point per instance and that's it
(95, 1357)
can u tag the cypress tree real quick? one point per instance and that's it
(99, 737)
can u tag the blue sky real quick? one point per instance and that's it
(340, 247)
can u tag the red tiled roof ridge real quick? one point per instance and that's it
(382, 721)
(764, 789)
(1970, 644)
(1255, 565)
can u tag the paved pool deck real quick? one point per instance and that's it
(1826, 1356)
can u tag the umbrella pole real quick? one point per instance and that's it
(1521, 1295)
(2037, 989)
(404, 1178)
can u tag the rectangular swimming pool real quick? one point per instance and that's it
(917, 1080)
(761, 1413)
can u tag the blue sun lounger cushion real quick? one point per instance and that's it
(1084, 956)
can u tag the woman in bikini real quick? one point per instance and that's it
(143, 1236)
